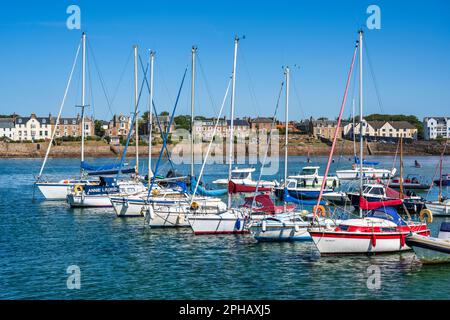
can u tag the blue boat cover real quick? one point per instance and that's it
(204, 192)
(369, 163)
(88, 167)
(109, 169)
(288, 198)
(388, 213)
(178, 186)
(445, 227)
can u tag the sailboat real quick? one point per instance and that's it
(58, 190)
(164, 207)
(201, 190)
(99, 195)
(289, 225)
(382, 229)
(232, 220)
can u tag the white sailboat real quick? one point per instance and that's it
(99, 194)
(58, 190)
(287, 226)
(164, 207)
(232, 220)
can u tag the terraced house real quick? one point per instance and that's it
(7, 128)
(71, 127)
(33, 128)
(386, 130)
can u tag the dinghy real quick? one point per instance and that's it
(429, 249)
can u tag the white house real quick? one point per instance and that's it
(204, 129)
(436, 127)
(7, 128)
(386, 129)
(33, 128)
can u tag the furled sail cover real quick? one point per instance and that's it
(369, 163)
(204, 192)
(104, 169)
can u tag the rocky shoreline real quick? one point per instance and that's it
(73, 149)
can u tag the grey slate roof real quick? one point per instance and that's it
(6, 123)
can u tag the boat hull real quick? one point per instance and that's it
(372, 174)
(300, 193)
(86, 201)
(55, 191)
(409, 186)
(225, 223)
(353, 243)
(438, 209)
(280, 233)
(429, 250)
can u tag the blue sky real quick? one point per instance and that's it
(409, 54)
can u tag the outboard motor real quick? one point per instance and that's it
(444, 231)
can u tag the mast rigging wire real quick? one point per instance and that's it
(60, 111)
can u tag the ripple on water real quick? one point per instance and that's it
(120, 259)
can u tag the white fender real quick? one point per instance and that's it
(264, 225)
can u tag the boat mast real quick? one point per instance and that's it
(150, 116)
(286, 133)
(354, 136)
(83, 94)
(401, 167)
(135, 48)
(231, 132)
(194, 51)
(361, 119)
(440, 177)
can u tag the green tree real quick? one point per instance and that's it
(98, 128)
(164, 113)
(183, 122)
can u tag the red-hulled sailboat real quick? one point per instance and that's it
(382, 229)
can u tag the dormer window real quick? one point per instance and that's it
(44, 121)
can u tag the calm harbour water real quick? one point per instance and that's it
(120, 259)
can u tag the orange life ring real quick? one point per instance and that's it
(320, 208)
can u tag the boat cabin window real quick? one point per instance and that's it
(308, 171)
(381, 215)
(377, 191)
(291, 184)
(239, 175)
